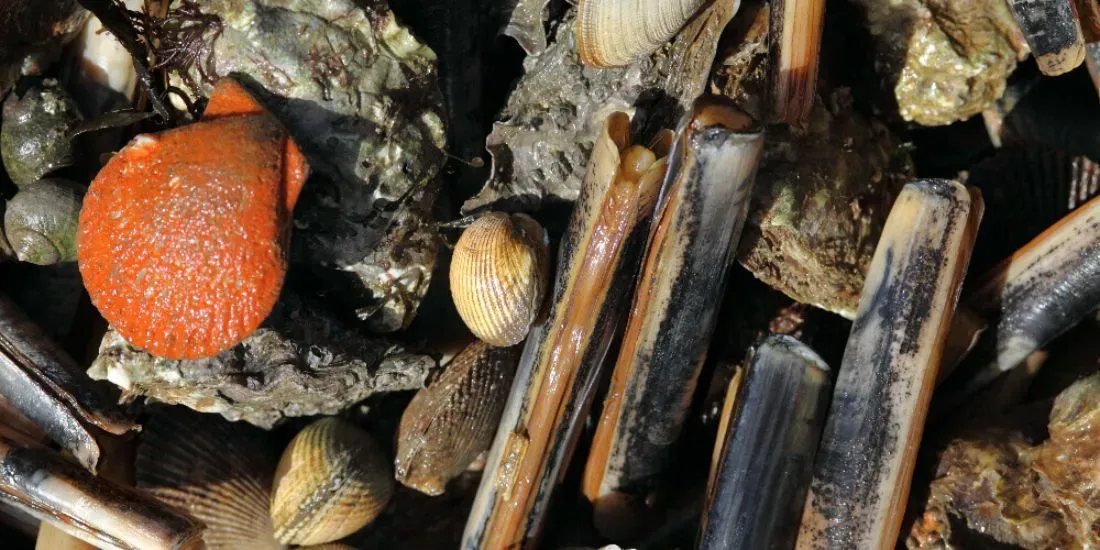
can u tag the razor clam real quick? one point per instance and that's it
(1053, 33)
(700, 215)
(865, 462)
(45, 485)
(453, 420)
(561, 361)
(795, 48)
(771, 423)
(218, 472)
(41, 381)
(1026, 301)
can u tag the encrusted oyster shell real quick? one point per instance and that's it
(300, 362)
(359, 94)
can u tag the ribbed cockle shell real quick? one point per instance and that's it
(499, 275)
(183, 236)
(331, 481)
(613, 33)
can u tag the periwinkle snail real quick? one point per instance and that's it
(34, 138)
(40, 221)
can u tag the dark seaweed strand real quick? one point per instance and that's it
(1035, 313)
(678, 352)
(1050, 26)
(855, 451)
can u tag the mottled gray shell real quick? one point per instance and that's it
(41, 219)
(34, 137)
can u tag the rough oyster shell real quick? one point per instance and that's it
(300, 362)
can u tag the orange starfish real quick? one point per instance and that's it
(183, 237)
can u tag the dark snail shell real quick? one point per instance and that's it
(41, 220)
(449, 423)
(218, 472)
(34, 138)
(332, 480)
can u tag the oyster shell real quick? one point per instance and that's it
(944, 60)
(300, 362)
(217, 472)
(358, 93)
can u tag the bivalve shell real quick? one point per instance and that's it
(614, 33)
(499, 275)
(332, 480)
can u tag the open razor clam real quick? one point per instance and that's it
(41, 381)
(763, 458)
(93, 509)
(1023, 303)
(561, 361)
(1053, 33)
(865, 462)
(701, 212)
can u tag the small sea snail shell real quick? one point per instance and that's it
(34, 138)
(614, 33)
(499, 275)
(183, 238)
(40, 221)
(331, 481)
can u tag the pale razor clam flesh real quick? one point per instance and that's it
(41, 381)
(50, 488)
(763, 458)
(556, 378)
(864, 466)
(699, 218)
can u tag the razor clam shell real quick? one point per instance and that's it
(765, 453)
(616, 33)
(1032, 297)
(794, 54)
(360, 97)
(453, 420)
(1027, 187)
(41, 381)
(702, 209)
(943, 61)
(865, 462)
(302, 361)
(217, 472)
(560, 365)
(1053, 33)
(541, 142)
(88, 507)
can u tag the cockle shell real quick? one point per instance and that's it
(499, 274)
(449, 423)
(216, 471)
(40, 221)
(184, 234)
(331, 481)
(614, 33)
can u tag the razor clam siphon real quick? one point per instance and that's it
(560, 366)
(700, 216)
(96, 510)
(865, 462)
(1053, 33)
(763, 458)
(1026, 301)
(41, 381)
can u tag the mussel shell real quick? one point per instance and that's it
(449, 423)
(217, 471)
(499, 275)
(332, 480)
(40, 221)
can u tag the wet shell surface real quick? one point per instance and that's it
(613, 33)
(450, 422)
(183, 237)
(34, 137)
(332, 480)
(41, 219)
(499, 274)
(216, 471)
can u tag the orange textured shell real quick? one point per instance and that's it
(183, 236)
